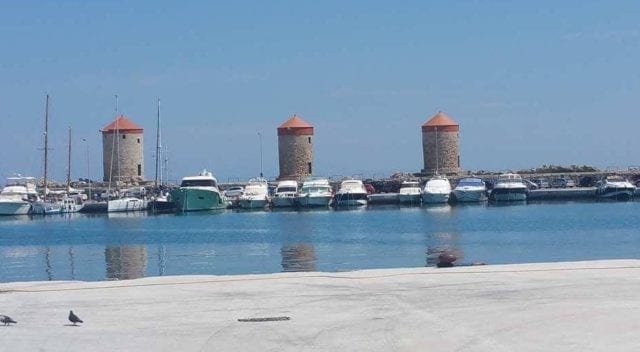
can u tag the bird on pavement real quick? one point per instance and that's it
(6, 320)
(74, 318)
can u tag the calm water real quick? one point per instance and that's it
(129, 246)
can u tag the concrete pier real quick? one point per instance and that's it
(563, 193)
(579, 306)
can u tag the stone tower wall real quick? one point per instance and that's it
(131, 155)
(448, 152)
(295, 153)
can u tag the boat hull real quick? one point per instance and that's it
(253, 203)
(509, 194)
(186, 199)
(46, 208)
(435, 198)
(15, 208)
(126, 205)
(351, 199)
(283, 202)
(309, 200)
(614, 193)
(469, 195)
(410, 198)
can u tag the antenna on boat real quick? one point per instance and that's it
(260, 136)
(88, 168)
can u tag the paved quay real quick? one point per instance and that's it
(577, 306)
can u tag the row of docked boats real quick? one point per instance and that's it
(19, 197)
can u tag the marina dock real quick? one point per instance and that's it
(574, 306)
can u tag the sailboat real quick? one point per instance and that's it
(160, 201)
(123, 203)
(71, 202)
(44, 207)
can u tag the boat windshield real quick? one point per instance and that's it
(198, 183)
(316, 189)
(471, 182)
(410, 185)
(286, 189)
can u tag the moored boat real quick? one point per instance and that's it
(616, 188)
(470, 189)
(197, 193)
(410, 193)
(436, 190)
(16, 196)
(509, 187)
(315, 192)
(285, 194)
(256, 194)
(352, 193)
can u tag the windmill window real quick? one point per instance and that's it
(138, 140)
(124, 136)
(139, 170)
(309, 140)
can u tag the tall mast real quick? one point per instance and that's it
(46, 145)
(117, 146)
(69, 163)
(437, 153)
(260, 135)
(157, 146)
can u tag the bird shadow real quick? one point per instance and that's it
(72, 325)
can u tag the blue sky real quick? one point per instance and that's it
(530, 83)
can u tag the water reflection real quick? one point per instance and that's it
(298, 257)
(125, 262)
(443, 243)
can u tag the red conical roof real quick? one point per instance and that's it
(122, 124)
(441, 122)
(295, 125)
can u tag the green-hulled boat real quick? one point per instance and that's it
(198, 193)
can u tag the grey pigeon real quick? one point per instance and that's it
(6, 320)
(74, 318)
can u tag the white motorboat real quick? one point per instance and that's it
(352, 193)
(315, 192)
(615, 187)
(470, 189)
(285, 194)
(199, 192)
(16, 196)
(509, 187)
(126, 204)
(436, 190)
(410, 193)
(256, 194)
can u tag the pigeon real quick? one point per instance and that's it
(6, 320)
(74, 318)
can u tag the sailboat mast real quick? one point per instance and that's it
(157, 146)
(69, 163)
(437, 152)
(46, 145)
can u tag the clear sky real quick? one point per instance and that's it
(531, 83)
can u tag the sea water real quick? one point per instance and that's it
(133, 245)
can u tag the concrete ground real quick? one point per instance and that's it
(581, 306)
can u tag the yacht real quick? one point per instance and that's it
(70, 204)
(470, 189)
(352, 193)
(285, 194)
(436, 190)
(615, 187)
(410, 193)
(199, 192)
(16, 196)
(509, 187)
(256, 194)
(315, 193)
